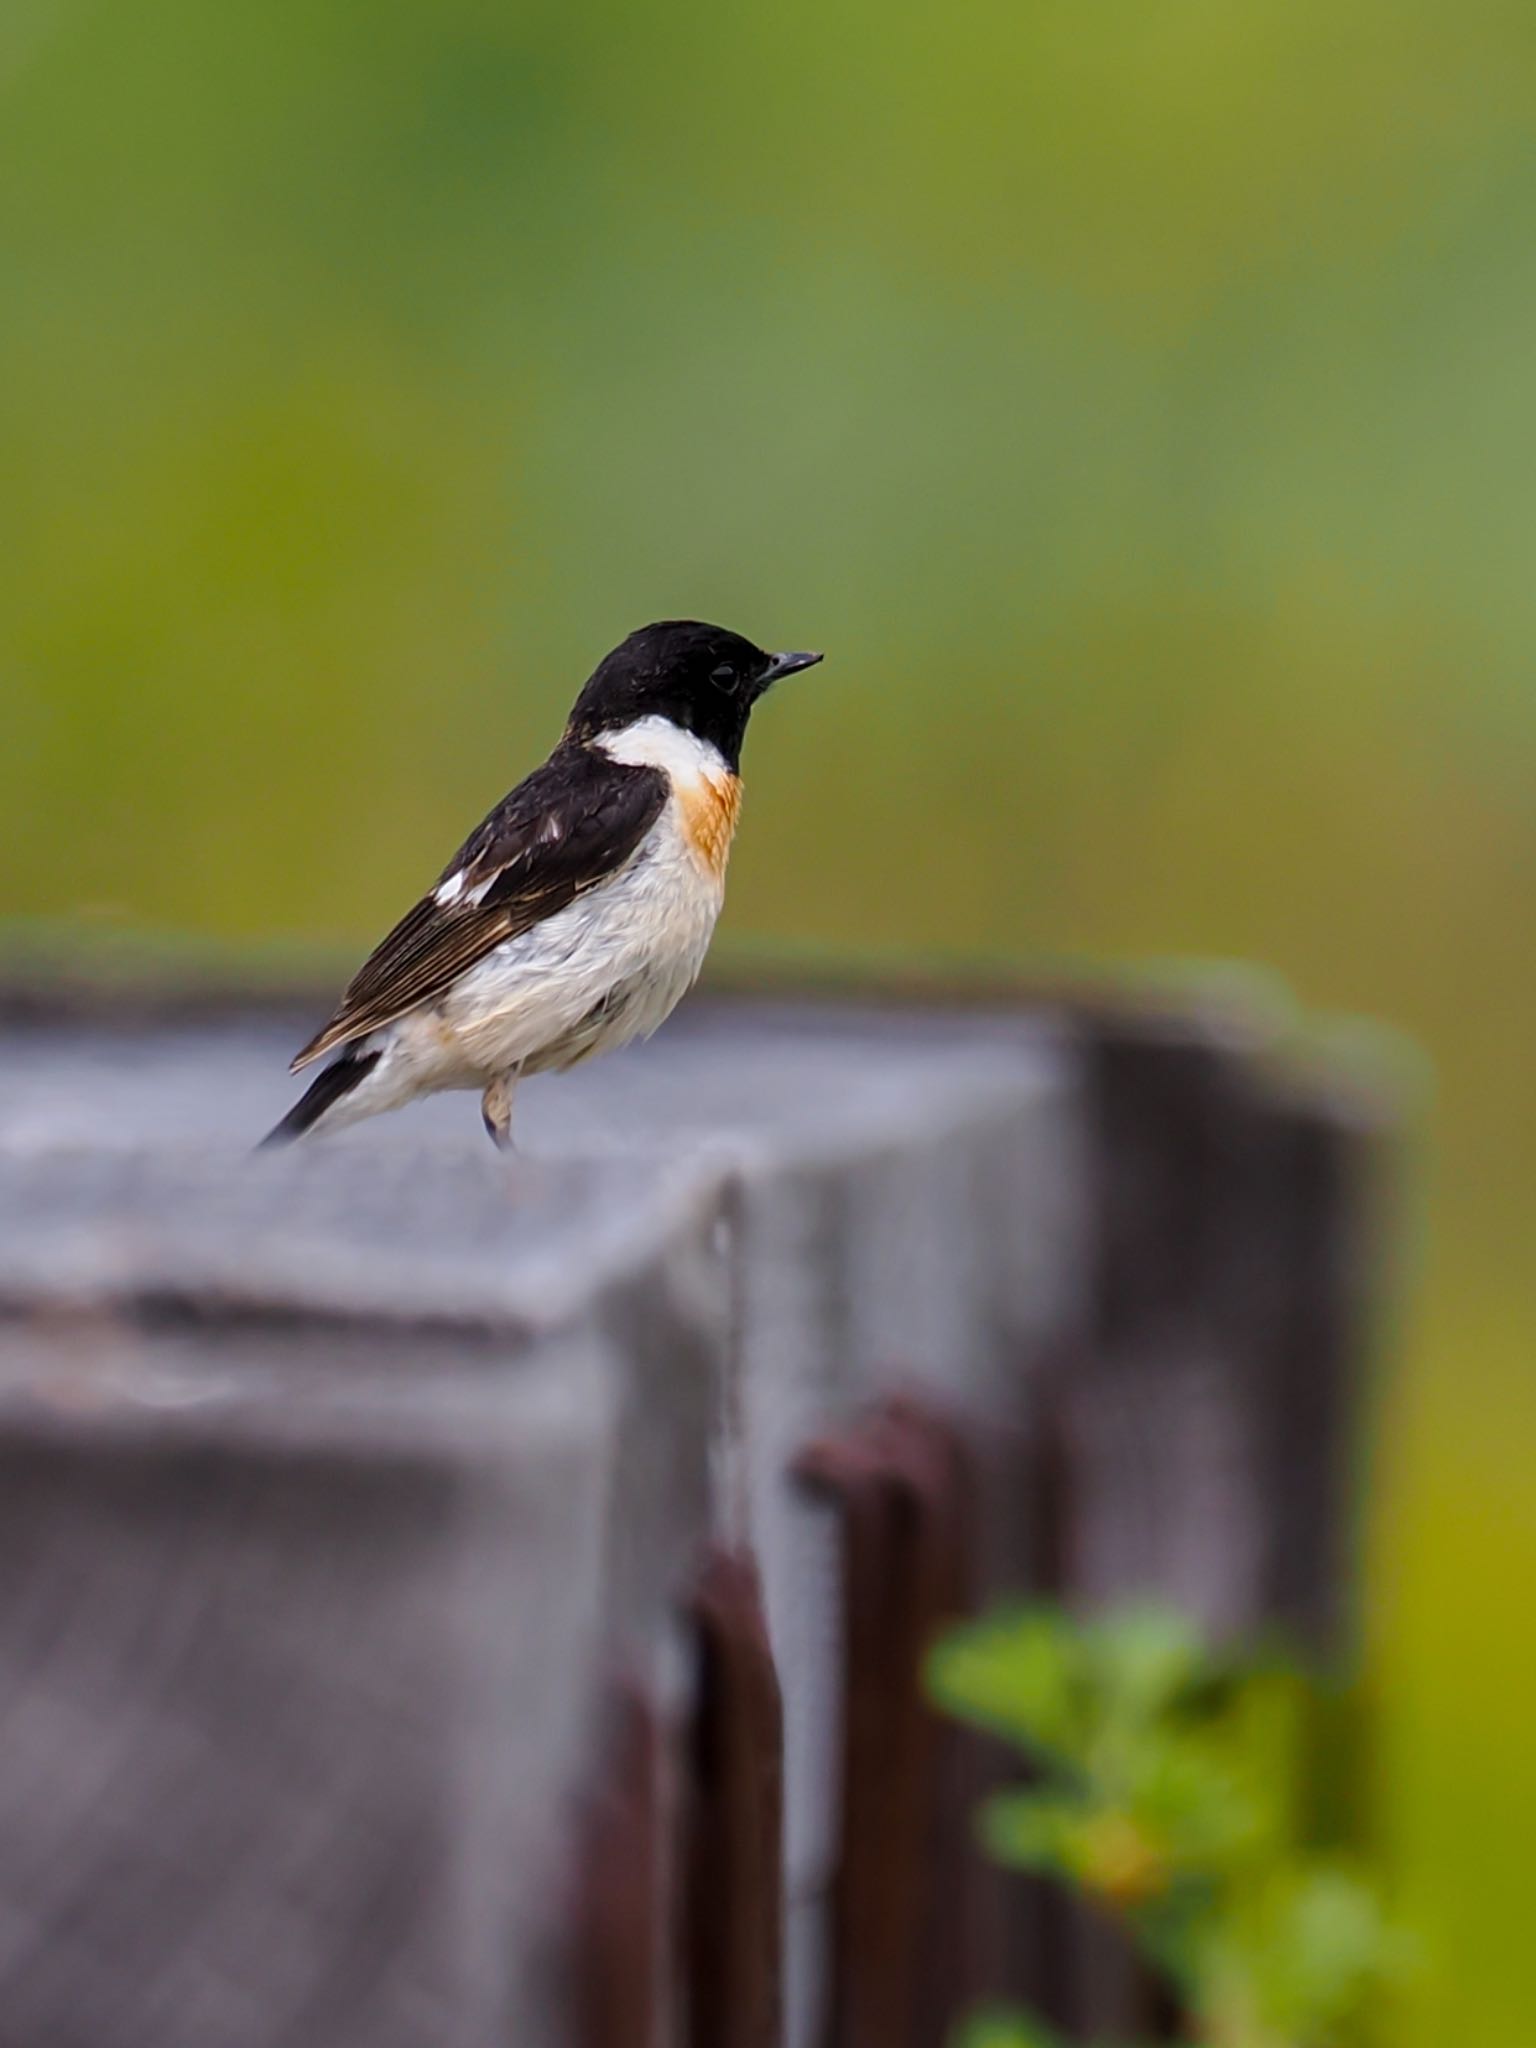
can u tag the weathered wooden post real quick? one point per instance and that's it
(481, 1605)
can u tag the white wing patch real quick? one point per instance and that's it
(454, 891)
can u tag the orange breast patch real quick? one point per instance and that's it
(709, 807)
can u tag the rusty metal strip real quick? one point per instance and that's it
(620, 1914)
(898, 1479)
(733, 1934)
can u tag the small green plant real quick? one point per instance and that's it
(1165, 1789)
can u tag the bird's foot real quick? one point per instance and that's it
(496, 1113)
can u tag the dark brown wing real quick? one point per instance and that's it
(571, 825)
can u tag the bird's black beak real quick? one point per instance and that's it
(781, 665)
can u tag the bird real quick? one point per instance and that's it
(578, 914)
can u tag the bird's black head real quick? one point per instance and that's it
(700, 677)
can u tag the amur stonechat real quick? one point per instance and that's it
(579, 913)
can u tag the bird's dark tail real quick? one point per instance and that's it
(327, 1089)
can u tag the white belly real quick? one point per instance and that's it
(609, 968)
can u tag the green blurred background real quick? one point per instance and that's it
(1138, 401)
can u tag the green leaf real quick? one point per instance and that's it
(1001, 2029)
(1196, 1799)
(1031, 1830)
(1018, 1674)
(1324, 1949)
(1145, 1659)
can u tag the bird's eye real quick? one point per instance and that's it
(723, 677)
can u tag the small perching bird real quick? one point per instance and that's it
(579, 913)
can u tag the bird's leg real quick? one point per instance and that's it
(496, 1110)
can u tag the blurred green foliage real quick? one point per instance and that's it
(1168, 1789)
(1135, 401)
